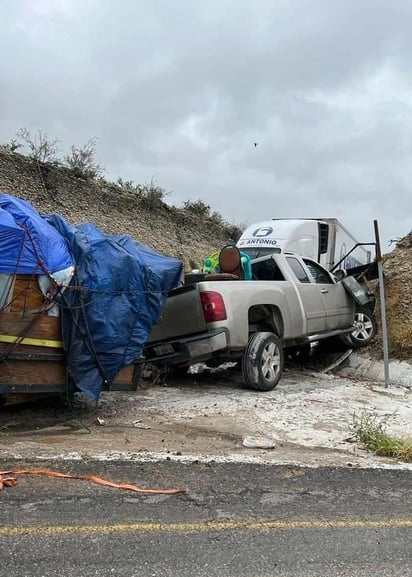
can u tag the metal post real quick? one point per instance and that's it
(383, 304)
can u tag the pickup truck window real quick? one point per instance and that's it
(266, 270)
(320, 276)
(298, 269)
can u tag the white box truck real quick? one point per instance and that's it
(325, 240)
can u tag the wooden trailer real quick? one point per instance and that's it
(32, 358)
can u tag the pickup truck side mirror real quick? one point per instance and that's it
(358, 292)
(340, 274)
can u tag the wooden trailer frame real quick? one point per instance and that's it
(32, 359)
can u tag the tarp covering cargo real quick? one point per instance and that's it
(28, 244)
(116, 294)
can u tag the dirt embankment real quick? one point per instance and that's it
(168, 230)
(398, 286)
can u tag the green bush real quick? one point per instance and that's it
(128, 185)
(152, 194)
(370, 431)
(218, 218)
(12, 146)
(197, 207)
(38, 145)
(81, 161)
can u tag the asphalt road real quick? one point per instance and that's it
(234, 520)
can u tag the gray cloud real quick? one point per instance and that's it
(179, 91)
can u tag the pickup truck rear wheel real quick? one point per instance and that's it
(262, 361)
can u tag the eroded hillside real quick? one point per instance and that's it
(169, 230)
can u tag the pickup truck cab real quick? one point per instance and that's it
(291, 302)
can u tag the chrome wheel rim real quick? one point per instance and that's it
(270, 362)
(363, 327)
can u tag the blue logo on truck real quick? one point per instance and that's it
(262, 232)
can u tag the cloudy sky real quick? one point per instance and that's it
(179, 90)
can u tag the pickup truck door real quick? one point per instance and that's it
(310, 296)
(339, 306)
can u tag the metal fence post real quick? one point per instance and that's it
(383, 304)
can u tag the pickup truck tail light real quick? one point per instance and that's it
(213, 306)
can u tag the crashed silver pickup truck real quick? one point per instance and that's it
(290, 303)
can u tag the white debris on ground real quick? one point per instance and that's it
(307, 420)
(258, 443)
(311, 410)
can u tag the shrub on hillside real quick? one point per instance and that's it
(201, 209)
(128, 185)
(197, 207)
(38, 145)
(12, 146)
(82, 162)
(218, 218)
(151, 193)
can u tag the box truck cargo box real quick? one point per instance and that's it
(325, 240)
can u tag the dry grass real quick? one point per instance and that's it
(370, 432)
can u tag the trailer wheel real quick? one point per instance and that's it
(365, 328)
(262, 361)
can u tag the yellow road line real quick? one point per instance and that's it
(203, 526)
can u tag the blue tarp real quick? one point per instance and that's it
(117, 294)
(28, 244)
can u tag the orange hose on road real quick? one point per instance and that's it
(7, 479)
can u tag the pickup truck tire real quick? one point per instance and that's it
(262, 361)
(366, 328)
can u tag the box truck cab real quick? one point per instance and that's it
(325, 240)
